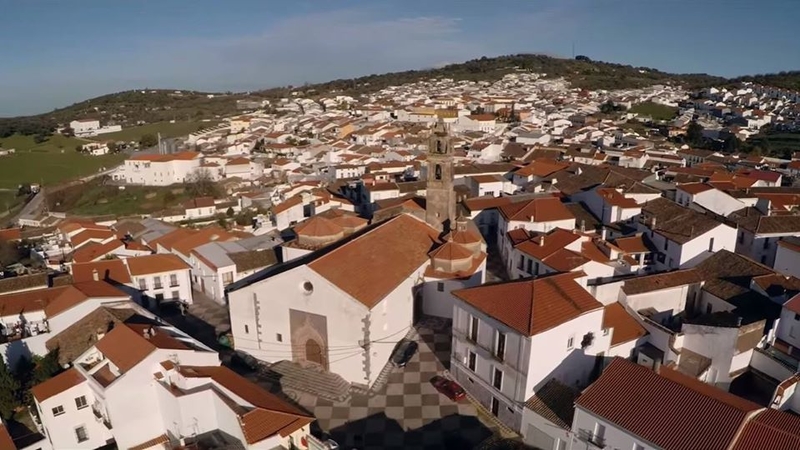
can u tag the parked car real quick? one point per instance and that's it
(403, 352)
(448, 387)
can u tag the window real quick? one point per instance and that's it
(530, 266)
(80, 402)
(308, 287)
(605, 331)
(561, 445)
(176, 295)
(81, 435)
(521, 264)
(471, 360)
(763, 259)
(142, 284)
(495, 407)
(797, 317)
(473, 328)
(227, 278)
(599, 431)
(156, 282)
(497, 379)
(570, 342)
(58, 410)
(159, 298)
(666, 244)
(711, 245)
(440, 286)
(709, 308)
(246, 329)
(500, 346)
(279, 337)
(766, 243)
(536, 269)
(173, 280)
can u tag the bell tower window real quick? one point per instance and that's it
(438, 172)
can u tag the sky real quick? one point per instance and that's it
(57, 52)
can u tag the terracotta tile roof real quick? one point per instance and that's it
(634, 244)
(286, 204)
(532, 306)
(450, 251)
(616, 198)
(468, 236)
(169, 239)
(793, 304)
(158, 263)
(158, 440)
(770, 429)
(633, 397)
(82, 335)
(55, 300)
(318, 226)
(271, 414)
(392, 251)
(92, 252)
(6, 442)
(125, 347)
(694, 188)
(58, 384)
(625, 327)
(84, 236)
(22, 282)
(563, 260)
(660, 281)
(201, 237)
(200, 202)
(113, 270)
(253, 259)
(544, 209)
(783, 224)
(481, 203)
(545, 245)
(104, 376)
(11, 234)
(677, 223)
(542, 168)
(555, 402)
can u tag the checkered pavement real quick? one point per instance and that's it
(408, 412)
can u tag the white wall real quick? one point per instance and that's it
(615, 438)
(61, 428)
(787, 261)
(789, 328)
(440, 303)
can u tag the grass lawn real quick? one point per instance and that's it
(95, 199)
(8, 200)
(655, 111)
(167, 130)
(50, 162)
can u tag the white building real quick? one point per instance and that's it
(540, 214)
(760, 236)
(510, 339)
(84, 127)
(159, 169)
(143, 384)
(161, 278)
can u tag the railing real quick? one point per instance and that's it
(98, 415)
(590, 437)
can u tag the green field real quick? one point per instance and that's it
(655, 111)
(95, 199)
(50, 162)
(167, 130)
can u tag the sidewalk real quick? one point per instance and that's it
(204, 320)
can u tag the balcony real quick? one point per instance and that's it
(98, 415)
(591, 438)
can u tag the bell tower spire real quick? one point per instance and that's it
(440, 205)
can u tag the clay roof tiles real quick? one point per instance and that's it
(58, 384)
(158, 263)
(532, 306)
(625, 327)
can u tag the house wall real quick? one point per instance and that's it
(61, 429)
(167, 290)
(789, 328)
(532, 420)
(716, 343)
(614, 437)
(439, 303)
(286, 218)
(255, 332)
(761, 248)
(787, 261)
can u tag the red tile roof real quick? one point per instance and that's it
(392, 252)
(532, 306)
(158, 263)
(163, 439)
(667, 409)
(543, 209)
(793, 304)
(113, 270)
(770, 429)
(58, 384)
(694, 188)
(625, 327)
(450, 251)
(11, 234)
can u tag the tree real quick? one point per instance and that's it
(68, 132)
(112, 147)
(230, 212)
(694, 133)
(732, 144)
(222, 222)
(148, 140)
(79, 148)
(201, 184)
(9, 388)
(9, 253)
(40, 138)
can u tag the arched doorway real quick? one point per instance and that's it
(314, 352)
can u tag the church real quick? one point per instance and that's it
(343, 307)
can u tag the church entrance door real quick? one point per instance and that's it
(314, 352)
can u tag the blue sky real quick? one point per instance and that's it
(54, 53)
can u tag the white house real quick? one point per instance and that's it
(759, 236)
(161, 278)
(218, 264)
(540, 214)
(143, 384)
(85, 127)
(510, 339)
(159, 169)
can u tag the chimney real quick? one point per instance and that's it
(583, 226)
(541, 240)
(461, 224)
(95, 275)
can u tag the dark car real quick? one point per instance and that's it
(448, 387)
(403, 352)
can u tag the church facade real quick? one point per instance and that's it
(345, 306)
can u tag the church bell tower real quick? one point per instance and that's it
(440, 208)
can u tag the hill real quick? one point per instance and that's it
(130, 108)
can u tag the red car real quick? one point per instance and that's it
(448, 387)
